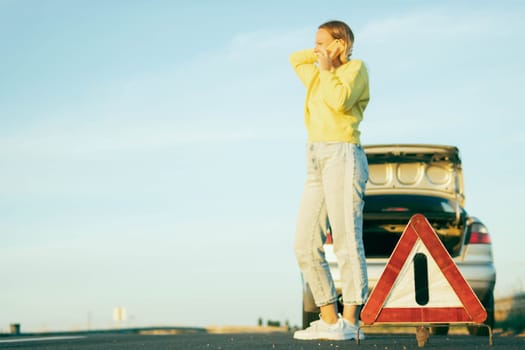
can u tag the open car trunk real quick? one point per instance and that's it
(386, 216)
(409, 179)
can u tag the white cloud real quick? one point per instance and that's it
(103, 139)
(258, 46)
(207, 99)
(432, 24)
(435, 36)
(423, 25)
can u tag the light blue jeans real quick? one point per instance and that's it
(335, 186)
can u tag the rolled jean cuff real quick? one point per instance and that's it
(352, 303)
(331, 301)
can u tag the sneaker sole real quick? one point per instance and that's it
(325, 337)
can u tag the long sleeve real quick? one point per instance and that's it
(335, 100)
(341, 91)
(303, 62)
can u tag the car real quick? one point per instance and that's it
(406, 179)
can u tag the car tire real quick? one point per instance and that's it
(488, 304)
(309, 317)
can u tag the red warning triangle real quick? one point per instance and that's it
(422, 284)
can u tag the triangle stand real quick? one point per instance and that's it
(421, 286)
(423, 332)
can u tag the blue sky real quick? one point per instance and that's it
(151, 152)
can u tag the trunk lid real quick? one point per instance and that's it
(409, 179)
(432, 170)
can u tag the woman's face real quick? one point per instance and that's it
(322, 39)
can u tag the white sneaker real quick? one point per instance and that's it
(341, 330)
(350, 330)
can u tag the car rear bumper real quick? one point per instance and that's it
(480, 276)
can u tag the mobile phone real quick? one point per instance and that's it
(334, 44)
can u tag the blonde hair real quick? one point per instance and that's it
(341, 31)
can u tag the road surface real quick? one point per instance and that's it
(251, 341)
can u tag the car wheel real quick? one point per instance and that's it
(309, 317)
(488, 304)
(441, 330)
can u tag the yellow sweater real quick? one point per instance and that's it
(335, 100)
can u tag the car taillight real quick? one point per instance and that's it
(479, 238)
(479, 235)
(329, 239)
(395, 209)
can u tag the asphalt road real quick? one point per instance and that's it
(252, 341)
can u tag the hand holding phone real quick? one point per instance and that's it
(334, 48)
(326, 54)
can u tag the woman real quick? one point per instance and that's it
(337, 171)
